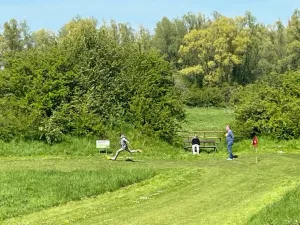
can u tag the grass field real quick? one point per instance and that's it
(208, 119)
(167, 188)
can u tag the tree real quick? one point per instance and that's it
(248, 70)
(194, 21)
(143, 39)
(168, 37)
(293, 41)
(273, 49)
(270, 106)
(214, 52)
(16, 36)
(43, 39)
(154, 104)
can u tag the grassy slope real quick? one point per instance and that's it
(284, 211)
(205, 189)
(29, 185)
(207, 119)
(191, 192)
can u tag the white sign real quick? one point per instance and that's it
(102, 144)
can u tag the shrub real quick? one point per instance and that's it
(210, 96)
(270, 106)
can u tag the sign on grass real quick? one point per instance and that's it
(102, 144)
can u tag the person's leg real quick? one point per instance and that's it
(131, 151)
(197, 149)
(229, 148)
(194, 149)
(117, 153)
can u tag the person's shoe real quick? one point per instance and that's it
(229, 159)
(139, 150)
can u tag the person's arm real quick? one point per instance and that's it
(127, 142)
(231, 134)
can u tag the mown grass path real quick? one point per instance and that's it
(210, 191)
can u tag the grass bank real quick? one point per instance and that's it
(210, 191)
(71, 183)
(28, 187)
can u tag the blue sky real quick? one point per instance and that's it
(53, 14)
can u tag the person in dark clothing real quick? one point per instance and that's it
(195, 145)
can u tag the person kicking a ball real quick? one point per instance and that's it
(124, 147)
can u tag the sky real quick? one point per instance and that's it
(53, 14)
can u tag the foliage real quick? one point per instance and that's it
(85, 81)
(217, 50)
(89, 78)
(270, 106)
(169, 34)
(210, 96)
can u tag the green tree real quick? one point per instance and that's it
(168, 37)
(143, 39)
(16, 36)
(44, 39)
(194, 21)
(154, 101)
(214, 52)
(270, 106)
(293, 41)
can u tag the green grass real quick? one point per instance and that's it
(87, 146)
(284, 211)
(204, 191)
(207, 119)
(70, 183)
(24, 191)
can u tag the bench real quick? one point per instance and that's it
(204, 143)
(208, 139)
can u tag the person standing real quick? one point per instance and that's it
(195, 145)
(230, 140)
(124, 147)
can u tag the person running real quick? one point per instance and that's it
(195, 145)
(124, 147)
(230, 140)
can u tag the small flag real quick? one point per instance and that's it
(255, 141)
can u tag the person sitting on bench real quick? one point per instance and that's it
(195, 145)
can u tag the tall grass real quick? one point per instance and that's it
(26, 191)
(74, 146)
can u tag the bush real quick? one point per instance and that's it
(84, 87)
(270, 106)
(210, 96)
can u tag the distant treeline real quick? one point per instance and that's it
(90, 77)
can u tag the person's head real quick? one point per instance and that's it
(228, 127)
(122, 135)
